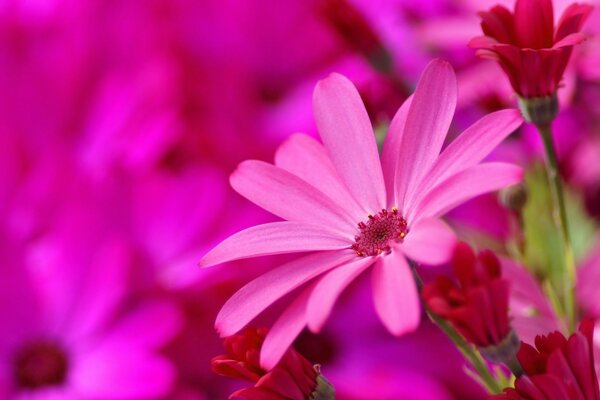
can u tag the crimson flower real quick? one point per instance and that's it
(478, 306)
(557, 368)
(353, 210)
(530, 50)
(293, 378)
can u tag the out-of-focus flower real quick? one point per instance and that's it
(292, 378)
(65, 332)
(557, 368)
(339, 202)
(532, 53)
(478, 305)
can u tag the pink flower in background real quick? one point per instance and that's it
(65, 331)
(529, 49)
(355, 210)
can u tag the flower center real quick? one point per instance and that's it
(40, 364)
(378, 231)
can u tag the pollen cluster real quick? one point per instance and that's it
(377, 233)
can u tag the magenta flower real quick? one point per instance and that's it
(353, 210)
(65, 332)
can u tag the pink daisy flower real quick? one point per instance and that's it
(354, 210)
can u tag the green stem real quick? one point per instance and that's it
(469, 352)
(560, 211)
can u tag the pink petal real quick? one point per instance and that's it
(257, 295)
(275, 238)
(395, 294)
(306, 158)
(392, 147)
(122, 371)
(347, 133)
(287, 327)
(329, 288)
(288, 196)
(570, 40)
(465, 185)
(572, 20)
(140, 327)
(430, 241)
(468, 149)
(426, 126)
(534, 23)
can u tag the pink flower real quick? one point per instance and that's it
(529, 49)
(353, 210)
(65, 332)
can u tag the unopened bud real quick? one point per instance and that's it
(324, 389)
(539, 110)
(505, 352)
(514, 197)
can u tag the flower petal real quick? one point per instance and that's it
(426, 126)
(306, 158)
(348, 136)
(395, 294)
(430, 241)
(287, 327)
(274, 238)
(534, 23)
(468, 149)
(329, 288)
(260, 293)
(465, 185)
(572, 20)
(390, 155)
(287, 196)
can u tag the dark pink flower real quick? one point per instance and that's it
(293, 378)
(353, 210)
(557, 368)
(530, 49)
(478, 305)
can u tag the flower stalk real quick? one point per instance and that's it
(468, 351)
(561, 220)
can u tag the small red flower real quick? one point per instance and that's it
(293, 378)
(478, 306)
(557, 368)
(532, 52)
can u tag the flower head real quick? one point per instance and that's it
(352, 209)
(478, 306)
(557, 368)
(530, 49)
(292, 378)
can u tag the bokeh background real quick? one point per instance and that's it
(120, 121)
